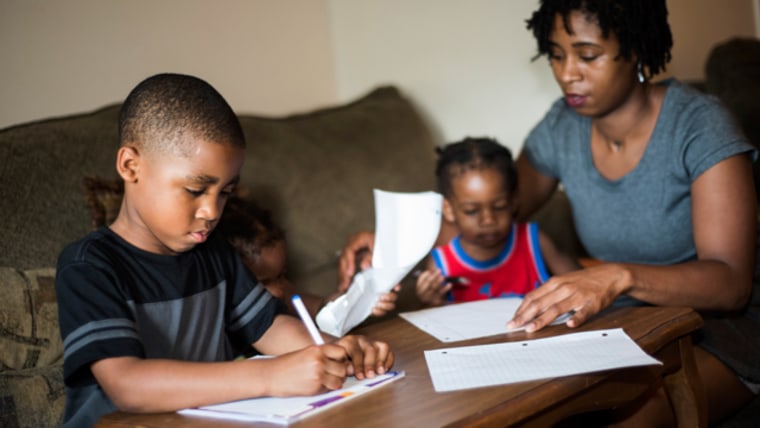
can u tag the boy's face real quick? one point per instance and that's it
(480, 207)
(172, 203)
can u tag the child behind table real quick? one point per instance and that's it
(491, 255)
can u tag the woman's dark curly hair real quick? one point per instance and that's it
(641, 27)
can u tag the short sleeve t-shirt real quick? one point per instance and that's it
(645, 216)
(117, 300)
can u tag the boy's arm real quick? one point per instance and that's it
(556, 261)
(160, 385)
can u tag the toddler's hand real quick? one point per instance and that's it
(430, 288)
(367, 357)
(387, 302)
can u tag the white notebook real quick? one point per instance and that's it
(288, 410)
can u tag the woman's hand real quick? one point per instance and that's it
(431, 291)
(357, 251)
(585, 292)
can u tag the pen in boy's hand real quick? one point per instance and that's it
(460, 280)
(307, 321)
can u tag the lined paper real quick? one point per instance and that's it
(470, 320)
(467, 367)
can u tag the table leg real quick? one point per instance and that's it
(684, 387)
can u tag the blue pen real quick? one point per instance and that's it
(307, 321)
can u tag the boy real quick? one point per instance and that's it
(151, 306)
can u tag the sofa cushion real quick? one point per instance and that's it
(316, 172)
(29, 335)
(32, 398)
(41, 169)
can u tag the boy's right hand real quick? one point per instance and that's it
(309, 371)
(431, 291)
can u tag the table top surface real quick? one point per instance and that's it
(412, 401)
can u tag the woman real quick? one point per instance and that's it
(661, 188)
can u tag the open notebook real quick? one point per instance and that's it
(291, 409)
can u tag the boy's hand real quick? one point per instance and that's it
(430, 288)
(309, 371)
(367, 357)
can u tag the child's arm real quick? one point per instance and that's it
(556, 261)
(431, 291)
(159, 385)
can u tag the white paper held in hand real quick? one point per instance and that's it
(406, 227)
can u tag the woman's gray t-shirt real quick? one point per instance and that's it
(645, 216)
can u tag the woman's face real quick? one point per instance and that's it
(593, 79)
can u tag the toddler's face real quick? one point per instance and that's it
(480, 207)
(178, 199)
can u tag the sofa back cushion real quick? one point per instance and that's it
(316, 172)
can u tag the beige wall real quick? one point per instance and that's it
(466, 64)
(60, 57)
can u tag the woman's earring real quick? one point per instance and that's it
(641, 74)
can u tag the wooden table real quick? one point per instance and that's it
(412, 402)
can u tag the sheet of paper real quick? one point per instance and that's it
(406, 227)
(470, 320)
(468, 367)
(290, 409)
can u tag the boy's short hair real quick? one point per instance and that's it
(162, 110)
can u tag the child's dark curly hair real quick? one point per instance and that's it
(474, 154)
(248, 227)
(641, 27)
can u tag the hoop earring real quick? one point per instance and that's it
(640, 73)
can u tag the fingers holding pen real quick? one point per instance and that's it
(543, 305)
